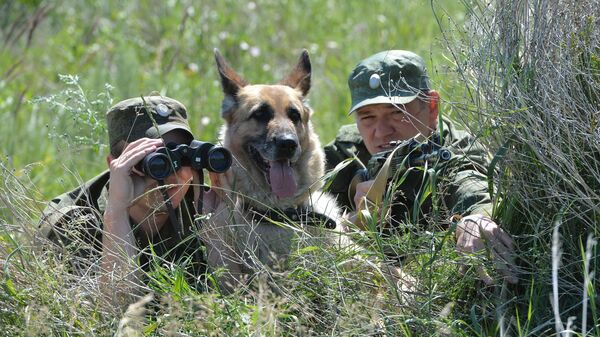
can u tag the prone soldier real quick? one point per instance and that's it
(139, 212)
(392, 101)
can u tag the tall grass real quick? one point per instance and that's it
(532, 75)
(121, 50)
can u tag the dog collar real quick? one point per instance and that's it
(303, 215)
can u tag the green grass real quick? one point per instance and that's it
(120, 50)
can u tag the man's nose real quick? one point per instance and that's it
(383, 128)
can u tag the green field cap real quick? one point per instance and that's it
(391, 76)
(132, 119)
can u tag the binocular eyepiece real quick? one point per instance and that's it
(199, 155)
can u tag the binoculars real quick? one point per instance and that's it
(409, 153)
(199, 155)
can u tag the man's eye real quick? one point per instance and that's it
(400, 115)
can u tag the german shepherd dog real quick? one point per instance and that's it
(271, 198)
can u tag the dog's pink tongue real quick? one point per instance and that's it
(283, 183)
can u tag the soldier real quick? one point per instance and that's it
(117, 222)
(392, 101)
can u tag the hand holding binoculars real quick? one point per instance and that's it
(199, 155)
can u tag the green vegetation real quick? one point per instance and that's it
(524, 76)
(115, 51)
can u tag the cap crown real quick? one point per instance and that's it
(133, 118)
(392, 76)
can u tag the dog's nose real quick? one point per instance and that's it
(286, 146)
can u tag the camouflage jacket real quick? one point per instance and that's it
(461, 184)
(73, 222)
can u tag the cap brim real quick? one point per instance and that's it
(383, 100)
(161, 130)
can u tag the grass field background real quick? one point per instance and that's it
(116, 50)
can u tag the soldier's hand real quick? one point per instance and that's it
(361, 192)
(122, 170)
(214, 197)
(368, 201)
(474, 233)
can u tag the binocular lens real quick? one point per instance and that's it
(445, 154)
(157, 166)
(219, 160)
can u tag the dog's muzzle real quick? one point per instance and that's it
(285, 147)
(276, 159)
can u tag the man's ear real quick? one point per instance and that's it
(433, 100)
(109, 159)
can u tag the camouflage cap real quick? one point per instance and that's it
(132, 119)
(391, 76)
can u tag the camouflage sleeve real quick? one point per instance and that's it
(347, 145)
(75, 232)
(467, 179)
(469, 194)
(340, 180)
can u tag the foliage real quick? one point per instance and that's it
(533, 80)
(167, 46)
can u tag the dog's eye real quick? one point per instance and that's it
(294, 114)
(264, 113)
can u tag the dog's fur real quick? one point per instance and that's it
(278, 165)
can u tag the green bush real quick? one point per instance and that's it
(533, 83)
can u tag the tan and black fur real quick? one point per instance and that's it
(278, 165)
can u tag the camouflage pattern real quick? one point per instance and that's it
(462, 185)
(149, 116)
(73, 222)
(391, 76)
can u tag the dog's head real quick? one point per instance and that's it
(268, 130)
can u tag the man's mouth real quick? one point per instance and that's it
(385, 147)
(278, 173)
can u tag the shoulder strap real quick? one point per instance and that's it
(303, 215)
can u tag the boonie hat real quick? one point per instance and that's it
(391, 76)
(133, 118)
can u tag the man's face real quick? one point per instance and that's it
(149, 209)
(379, 124)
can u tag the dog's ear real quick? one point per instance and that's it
(299, 78)
(231, 83)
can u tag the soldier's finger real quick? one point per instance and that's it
(484, 276)
(141, 143)
(507, 271)
(501, 250)
(131, 158)
(210, 201)
(505, 238)
(461, 243)
(504, 262)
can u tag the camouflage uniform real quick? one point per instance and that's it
(462, 186)
(73, 220)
